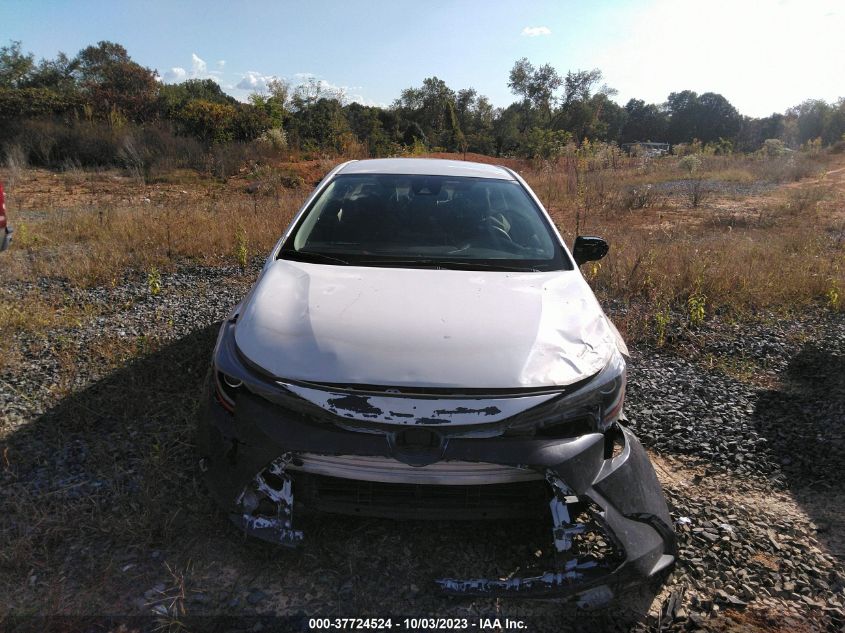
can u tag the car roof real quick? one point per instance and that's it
(426, 167)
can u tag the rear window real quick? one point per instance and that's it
(434, 221)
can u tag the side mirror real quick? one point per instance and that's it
(589, 249)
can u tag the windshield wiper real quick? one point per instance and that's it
(401, 263)
(471, 265)
(449, 264)
(311, 256)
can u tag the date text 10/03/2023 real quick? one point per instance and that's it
(416, 624)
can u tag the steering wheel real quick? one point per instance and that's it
(500, 233)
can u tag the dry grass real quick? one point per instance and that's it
(113, 225)
(33, 312)
(778, 247)
(744, 246)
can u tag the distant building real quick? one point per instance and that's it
(646, 148)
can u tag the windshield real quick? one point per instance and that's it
(426, 221)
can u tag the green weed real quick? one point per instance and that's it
(696, 306)
(154, 282)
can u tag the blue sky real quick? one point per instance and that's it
(764, 56)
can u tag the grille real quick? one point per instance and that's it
(389, 470)
(417, 501)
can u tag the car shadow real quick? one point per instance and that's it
(803, 422)
(106, 514)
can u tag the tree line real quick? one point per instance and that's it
(81, 108)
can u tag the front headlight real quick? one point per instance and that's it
(592, 408)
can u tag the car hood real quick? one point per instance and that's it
(423, 327)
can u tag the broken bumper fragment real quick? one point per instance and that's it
(266, 505)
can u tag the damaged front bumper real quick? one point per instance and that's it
(254, 460)
(643, 549)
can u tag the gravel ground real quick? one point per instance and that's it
(105, 513)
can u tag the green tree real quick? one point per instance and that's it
(276, 103)
(310, 92)
(753, 132)
(683, 124)
(507, 130)
(536, 86)
(428, 107)
(366, 123)
(814, 118)
(705, 117)
(588, 112)
(414, 134)
(24, 103)
(644, 122)
(15, 66)
(717, 118)
(609, 120)
(479, 126)
(545, 143)
(579, 85)
(53, 74)
(319, 125)
(111, 80)
(249, 122)
(457, 139)
(172, 98)
(207, 121)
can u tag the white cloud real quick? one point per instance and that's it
(536, 31)
(365, 101)
(199, 70)
(325, 86)
(198, 66)
(221, 64)
(348, 94)
(175, 75)
(254, 81)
